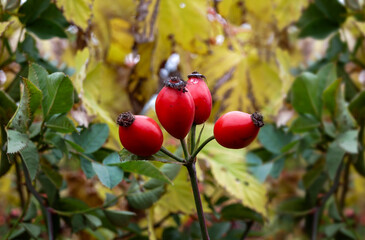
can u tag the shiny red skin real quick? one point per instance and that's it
(175, 110)
(143, 137)
(202, 99)
(235, 130)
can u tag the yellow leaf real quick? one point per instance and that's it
(4, 26)
(179, 197)
(76, 11)
(186, 21)
(121, 41)
(230, 172)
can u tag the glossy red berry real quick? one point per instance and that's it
(237, 129)
(139, 134)
(175, 108)
(201, 95)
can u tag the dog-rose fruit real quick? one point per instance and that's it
(175, 108)
(201, 95)
(139, 134)
(237, 129)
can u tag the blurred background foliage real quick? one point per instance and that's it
(300, 63)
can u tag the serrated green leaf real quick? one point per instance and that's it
(329, 96)
(16, 141)
(53, 175)
(61, 123)
(357, 107)
(56, 140)
(29, 102)
(37, 74)
(143, 168)
(57, 94)
(4, 161)
(87, 168)
(303, 98)
(119, 218)
(110, 176)
(31, 159)
(92, 138)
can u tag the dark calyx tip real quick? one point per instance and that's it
(257, 119)
(196, 74)
(176, 83)
(125, 119)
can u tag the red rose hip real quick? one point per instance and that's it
(139, 134)
(237, 129)
(175, 108)
(201, 95)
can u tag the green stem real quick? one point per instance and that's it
(198, 203)
(192, 138)
(46, 210)
(185, 149)
(171, 155)
(200, 148)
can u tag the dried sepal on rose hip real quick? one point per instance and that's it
(175, 108)
(237, 129)
(202, 97)
(139, 134)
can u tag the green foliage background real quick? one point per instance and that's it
(68, 67)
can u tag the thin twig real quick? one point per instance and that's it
(318, 209)
(185, 149)
(192, 138)
(192, 157)
(249, 224)
(171, 155)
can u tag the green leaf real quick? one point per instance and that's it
(56, 140)
(329, 96)
(16, 141)
(294, 206)
(218, 230)
(304, 99)
(32, 229)
(55, 15)
(335, 47)
(332, 229)
(37, 74)
(93, 221)
(333, 10)
(61, 123)
(144, 168)
(119, 218)
(31, 159)
(7, 107)
(31, 10)
(57, 94)
(4, 161)
(238, 211)
(334, 157)
(12, 5)
(357, 107)
(78, 223)
(169, 170)
(142, 200)
(348, 141)
(326, 76)
(46, 29)
(53, 175)
(29, 102)
(49, 188)
(319, 29)
(304, 124)
(274, 139)
(92, 138)
(87, 167)
(110, 176)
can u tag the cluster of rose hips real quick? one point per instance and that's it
(179, 105)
